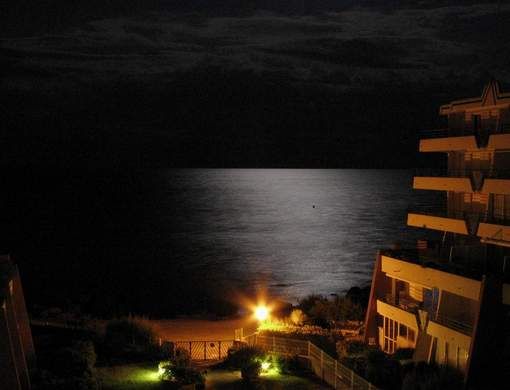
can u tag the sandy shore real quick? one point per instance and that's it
(184, 329)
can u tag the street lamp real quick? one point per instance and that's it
(261, 313)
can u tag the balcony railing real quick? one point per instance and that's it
(455, 324)
(410, 305)
(404, 302)
(468, 172)
(471, 217)
(447, 259)
(503, 128)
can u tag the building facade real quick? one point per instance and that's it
(17, 355)
(449, 298)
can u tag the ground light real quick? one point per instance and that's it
(269, 367)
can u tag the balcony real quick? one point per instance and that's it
(444, 140)
(452, 269)
(404, 302)
(487, 181)
(452, 323)
(454, 336)
(437, 222)
(446, 132)
(397, 313)
(407, 315)
(462, 222)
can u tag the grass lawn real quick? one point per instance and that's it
(143, 376)
(230, 380)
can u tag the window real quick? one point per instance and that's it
(402, 331)
(407, 333)
(411, 335)
(390, 335)
(477, 121)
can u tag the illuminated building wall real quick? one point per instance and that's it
(449, 299)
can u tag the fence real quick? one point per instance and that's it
(205, 350)
(324, 366)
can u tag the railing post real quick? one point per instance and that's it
(190, 356)
(219, 350)
(205, 350)
(322, 364)
(336, 370)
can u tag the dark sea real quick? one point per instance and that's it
(164, 242)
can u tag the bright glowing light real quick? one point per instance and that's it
(269, 367)
(261, 313)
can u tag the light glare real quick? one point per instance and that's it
(261, 313)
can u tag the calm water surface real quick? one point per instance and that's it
(180, 240)
(293, 231)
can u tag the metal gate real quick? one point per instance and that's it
(205, 350)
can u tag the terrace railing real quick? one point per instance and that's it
(323, 365)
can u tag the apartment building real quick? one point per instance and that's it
(449, 298)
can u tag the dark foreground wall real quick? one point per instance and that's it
(16, 346)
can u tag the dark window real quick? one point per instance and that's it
(403, 331)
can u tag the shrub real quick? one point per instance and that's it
(75, 361)
(72, 368)
(359, 295)
(350, 348)
(166, 370)
(167, 350)
(130, 330)
(237, 358)
(425, 376)
(308, 303)
(324, 312)
(383, 371)
(131, 339)
(182, 358)
(356, 363)
(403, 353)
(251, 371)
(248, 360)
(297, 317)
(188, 376)
(288, 365)
(179, 370)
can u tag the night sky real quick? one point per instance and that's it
(238, 84)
